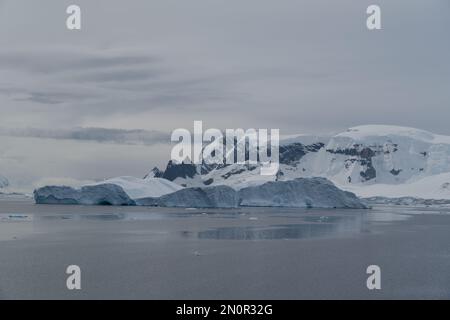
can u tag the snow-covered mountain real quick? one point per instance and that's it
(359, 159)
(383, 154)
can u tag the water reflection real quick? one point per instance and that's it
(322, 226)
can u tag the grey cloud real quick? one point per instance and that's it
(62, 60)
(101, 135)
(100, 81)
(119, 75)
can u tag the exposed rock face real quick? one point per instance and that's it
(363, 156)
(182, 170)
(191, 175)
(291, 153)
(301, 193)
(102, 194)
(154, 173)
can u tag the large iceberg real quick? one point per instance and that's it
(116, 191)
(298, 193)
(100, 194)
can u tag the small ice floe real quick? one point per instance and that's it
(196, 253)
(15, 217)
(253, 218)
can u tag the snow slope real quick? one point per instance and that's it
(383, 154)
(142, 188)
(432, 187)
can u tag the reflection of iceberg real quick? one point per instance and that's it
(340, 226)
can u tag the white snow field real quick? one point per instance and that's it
(143, 188)
(432, 187)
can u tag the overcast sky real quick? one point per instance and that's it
(145, 67)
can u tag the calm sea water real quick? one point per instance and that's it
(251, 253)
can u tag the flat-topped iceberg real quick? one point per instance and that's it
(299, 193)
(100, 194)
(116, 191)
